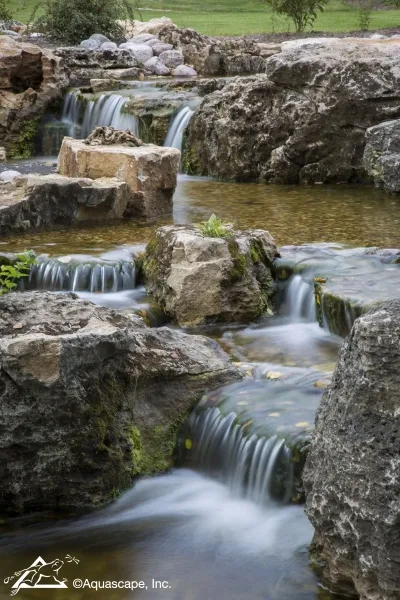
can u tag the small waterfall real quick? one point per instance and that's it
(299, 299)
(174, 138)
(55, 275)
(107, 110)
(257, 468)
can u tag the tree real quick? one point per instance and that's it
(75, 20)
(5, 14)
(301, 12)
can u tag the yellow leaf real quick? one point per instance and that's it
(274, 414)
(188, 444)
(303, 424)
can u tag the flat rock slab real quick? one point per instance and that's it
(149, 171)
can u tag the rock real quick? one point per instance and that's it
(108, 136)
(30, 79)
(211, 56)
(8, 176)
(150, 171)
(172, 58)
(382, 155)
(267, 50)
(201, 280)
(161, 47)
(106, 395)
(352, 475)
(89, 45)
(133, 28)
(156, 66)
(142, 38)
(3, 154)
(184, 71)
(304, 120)
(106, 85)
(98, 64)
(40, 202)
(108, 46)
(141, 52)
(100, 39)
(378, 36)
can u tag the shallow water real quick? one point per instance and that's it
(356, 215)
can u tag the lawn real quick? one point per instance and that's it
(237, 17)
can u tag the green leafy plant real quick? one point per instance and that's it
(364, 16)
(215, 227)
(76, 20)
(10, 274)
(5, 14)
(302, 12)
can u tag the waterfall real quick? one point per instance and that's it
(107, 110)
(253, 467)
(55, 275)
(174, 138)
(299, 299)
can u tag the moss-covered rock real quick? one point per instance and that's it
(91, 399)
(199, 279)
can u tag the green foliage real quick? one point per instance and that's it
(24, 147)
(395, 3)
(10, 274)
(5, 13)
(76, 20)
(364, 17)
(215, 227)
(302, 12)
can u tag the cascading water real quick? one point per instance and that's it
(299, 299)
(253, 467)
(56, 275)
(174, 138)
(71, 113)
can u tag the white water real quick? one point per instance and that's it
(174, 137)
(247, 464)
(56, 275)
(107, 110)
(300, 299)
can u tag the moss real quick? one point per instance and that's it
(150, 265)
(24, 147)
(153, 448)
(239, 261)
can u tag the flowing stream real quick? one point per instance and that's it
(221, 526)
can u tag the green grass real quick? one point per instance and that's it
(238, 17)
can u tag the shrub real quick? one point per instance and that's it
(10, 274)
(75, 20)
(215, 227)
(5, 14)
(302, 12)
(364, 17)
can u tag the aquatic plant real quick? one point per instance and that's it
(215, 227)
(10, 274)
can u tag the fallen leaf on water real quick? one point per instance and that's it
(273, 375)
(242, 403)
(320, 279)
(275, 414)
(303, 424)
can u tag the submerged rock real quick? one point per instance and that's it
(149, 171)
(90, 399)
(304, 120)
(30, 79)
(382, 155)
(199, 279)
(352, 474)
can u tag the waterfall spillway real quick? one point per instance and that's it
(257, 468)
(299, 299)
(174, 138)
(55, 275)
(106, 110)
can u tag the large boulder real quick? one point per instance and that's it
(302, 121)
(135, 28)
(30, 79)
(352, 474)
(382, 155)
(149, 171)
(199, 279)
(90, 399)
(39, 202)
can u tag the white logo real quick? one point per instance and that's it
(40, 575)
